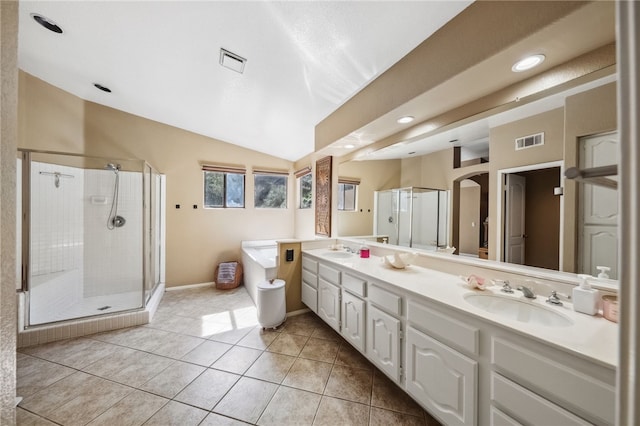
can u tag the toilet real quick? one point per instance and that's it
(270, 302)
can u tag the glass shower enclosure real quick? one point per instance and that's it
(412, 217)
(89, 236)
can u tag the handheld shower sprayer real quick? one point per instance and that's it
(115, 221)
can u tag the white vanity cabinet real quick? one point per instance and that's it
(384, 330)
(439, 376)
(353, 325)
(309, 285)
(329, 295)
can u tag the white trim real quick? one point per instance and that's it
(499, 204)
(188, 286)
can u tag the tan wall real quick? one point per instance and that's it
(8, 144)
(470, 219)
(374, 176)
(586, 113)
(291, 273)
(197, 239)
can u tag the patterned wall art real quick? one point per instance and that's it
(323, 196)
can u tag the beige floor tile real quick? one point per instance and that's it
(334, 411)
(173, 379)
(237, 359)
(206, 353)
(74, 353)
(271, 367)
(380, 417)
(290, 407)
(76, 399)
(34, 374)
(113, 362)
(134, 409)
(231, 336)
(288, 344)
(175, 413)
(258, 338)
(25, 418)
(247, 399)
(177, 345)
(308, 375)
(141, 338)
(214, 419)
(206, 390)
(387, 395)
(299, 327)
(134, 370)
(430, 421)
(323, 331)
(349, 356)
(350, 383)
(320, 350)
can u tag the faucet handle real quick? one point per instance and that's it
(506, 287)
(554, 299)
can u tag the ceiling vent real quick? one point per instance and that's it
(232, 61)
(530, 141)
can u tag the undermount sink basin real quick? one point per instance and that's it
(518, 310)
(338, 254)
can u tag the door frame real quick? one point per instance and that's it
(500, 220)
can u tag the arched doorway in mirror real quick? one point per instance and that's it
(470, 227)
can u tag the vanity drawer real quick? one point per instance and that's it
(329, 274)
(309, 278)
(310, 297)
(309, 265)
(498, 418)
(588, 396)
(444, 328)
(527, 407)
(388, 301)
(355, 285)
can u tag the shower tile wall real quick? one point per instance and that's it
(57, 233)
(113, 258)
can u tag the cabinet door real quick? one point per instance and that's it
(329, 303)
(383, 341)
(353, 320)
(442, 379)
(310, 297)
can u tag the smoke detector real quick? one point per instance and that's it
(232, 61)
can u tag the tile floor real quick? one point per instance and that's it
(205, 360)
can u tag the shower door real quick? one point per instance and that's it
(82, 236)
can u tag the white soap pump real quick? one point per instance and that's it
(585, 299)
(603, 271)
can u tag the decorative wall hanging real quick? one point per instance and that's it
(323, 196)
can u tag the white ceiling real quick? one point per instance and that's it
(161, 59)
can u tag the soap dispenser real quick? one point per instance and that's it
(585, 299)
(603, 271)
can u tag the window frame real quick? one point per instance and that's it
(262, 173)
(225, 173)
(341, 193)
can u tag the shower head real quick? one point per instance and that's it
(114, 167)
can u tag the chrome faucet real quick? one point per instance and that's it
(506, 288)
(554, 299)
(528, 293)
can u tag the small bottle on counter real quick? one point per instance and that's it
(364, 252)
(584, 298)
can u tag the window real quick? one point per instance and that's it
(223, 187)
(304, 188)
(347, 192)
(270, 190)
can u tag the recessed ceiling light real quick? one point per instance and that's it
(349, 146)
(527, 63)
(47, 23)
(101, 87)
(406, 119)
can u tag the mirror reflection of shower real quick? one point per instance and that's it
(114, 221)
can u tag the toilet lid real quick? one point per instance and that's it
(267, 285)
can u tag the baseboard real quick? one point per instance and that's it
(298, 312)
(188, 286)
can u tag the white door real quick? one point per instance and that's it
(383, 341)
(514, 227)
(329, 303)
(353, 326)
(598, 213)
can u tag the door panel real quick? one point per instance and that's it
(515, 190)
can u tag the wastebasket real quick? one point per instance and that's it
(271, 303)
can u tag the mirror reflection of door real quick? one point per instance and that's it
(532, 218)
(598, 211)
(474, 210)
